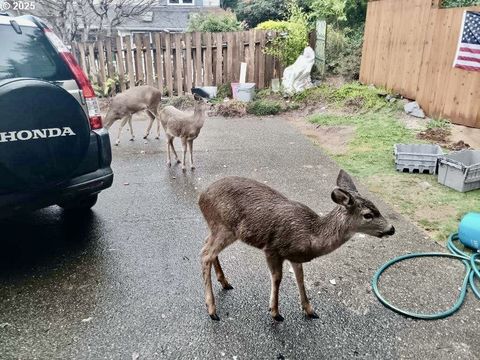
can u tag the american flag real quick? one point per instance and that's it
(468, 53)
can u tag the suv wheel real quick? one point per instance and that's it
(80, 204)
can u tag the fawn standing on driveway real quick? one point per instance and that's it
(185, 125)
(237, 208)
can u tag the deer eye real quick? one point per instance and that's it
(368, 216)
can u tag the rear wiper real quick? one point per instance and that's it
(15, 26)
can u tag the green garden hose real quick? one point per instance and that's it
(471, 262)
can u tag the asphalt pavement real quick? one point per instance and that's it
(124, 281)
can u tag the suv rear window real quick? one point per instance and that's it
(29, 54)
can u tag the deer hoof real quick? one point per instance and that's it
(116, 144)
(192, 167)
(184, 168)
(132, 139)
(313, 315)
(228, 287)
(157, 137)
(146, 136)
(178, 161)
(278, 318)
(214, 317)
(169, 163)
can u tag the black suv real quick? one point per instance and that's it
(53, 148)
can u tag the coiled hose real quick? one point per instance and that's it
(471, 262)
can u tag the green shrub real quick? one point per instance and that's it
(333, 11)
(292, 35)
(264, 107)
(255, 12)
(210, 22)
(459, 3)
(224, 91)
(343, 52)
(368, 97)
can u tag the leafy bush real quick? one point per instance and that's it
(255, 12)
(333, 11)
(343, 52)
(182, 102)
(354, 93)
(292, 35)
(459, 3)
(264, 107)
(210, 22)
(224, 91)
(355, 12)
(232, 108)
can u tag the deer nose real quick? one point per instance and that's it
(391, 231)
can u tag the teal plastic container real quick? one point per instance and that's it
(469, 230)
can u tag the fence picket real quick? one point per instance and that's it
(168, 63)
(188, 62)
(158, 60)
(148, 58)
(120, 63)
(129, 56)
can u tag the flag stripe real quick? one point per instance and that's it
(472, 55)
(471, 46)
(470, 68)
(468, 63)
(467, 49)
(466, 58)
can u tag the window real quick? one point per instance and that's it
(180, 2)
(29, 54)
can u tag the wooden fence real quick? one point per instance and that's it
(177, 62)
(410, 47)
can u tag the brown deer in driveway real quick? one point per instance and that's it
(237, 208)
(135, 99)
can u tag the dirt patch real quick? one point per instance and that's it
(334, 139)
(436, 135)
(445, 138)
(470, 136)
(438, 213)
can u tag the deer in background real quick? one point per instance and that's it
(131, 101)
(185, 125)
(237, 208)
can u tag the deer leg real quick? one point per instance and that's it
(220, 275)
(158, 129)
(214, 244)
(149, 127)
(184, 148)
(307, 307)
(122, 124)
(190, 147)
(132, 137)
(173, 149)
(275, 265)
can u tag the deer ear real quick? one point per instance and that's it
(345, 181)
(342, 197)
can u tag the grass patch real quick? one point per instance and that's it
(438, 124)
(434, 207)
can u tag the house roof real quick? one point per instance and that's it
(171, 18)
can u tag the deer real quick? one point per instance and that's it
(134, 100)
(185, 125)
(237, 208)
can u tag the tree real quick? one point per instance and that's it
(355, 12)
(210, 22)
(333, 11)
(111, 13)
(255, 12)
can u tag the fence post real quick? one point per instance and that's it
(129, 56)
(188, 62)
(208, 60)
(168, 63)
(219, 47)
(120, 63)
(101, 61)
(198, 59)
(148, 58)
(321, 35)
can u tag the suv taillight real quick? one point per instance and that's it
(81, 79)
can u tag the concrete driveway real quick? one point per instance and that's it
(124, 282)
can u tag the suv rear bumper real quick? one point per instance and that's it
(88, 184)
